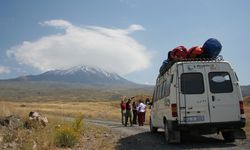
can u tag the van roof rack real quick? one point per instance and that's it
(218, 58)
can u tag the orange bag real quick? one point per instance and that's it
(194, 52)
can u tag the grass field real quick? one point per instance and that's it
(105, 110)
(93, 137)
(57, 111)
(97, 110)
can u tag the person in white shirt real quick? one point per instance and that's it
(141, 109)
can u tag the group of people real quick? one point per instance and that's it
(133, 112)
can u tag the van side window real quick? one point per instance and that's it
(162, 90)
(192, 83)
(220, 82)
(154, 96)
(236, 76)
(172, 77)
(168, 83)
(158, 92)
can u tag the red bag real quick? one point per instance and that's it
(194, 52)
(123, 106)
(178, 53)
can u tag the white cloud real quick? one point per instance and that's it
(135, 27)
(4, 69)
(108, 48)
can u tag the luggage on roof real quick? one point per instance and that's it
(194, 52)
(211, 48)
(209, 51)
(178, 53)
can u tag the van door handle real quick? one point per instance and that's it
(213, 98)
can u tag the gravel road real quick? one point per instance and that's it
(140, 138)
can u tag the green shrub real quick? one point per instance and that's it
(78, 124)
(66, 137)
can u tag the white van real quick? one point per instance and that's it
(201, 97)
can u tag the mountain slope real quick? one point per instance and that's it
(79, 74)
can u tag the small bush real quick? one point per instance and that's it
(22, 105)
(66, 137)
(78, 124)
(69, 134)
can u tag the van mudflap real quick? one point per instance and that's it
(239, 134)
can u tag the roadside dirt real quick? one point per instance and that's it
(135, 137)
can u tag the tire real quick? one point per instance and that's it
(166, 133)
(228, 136)
(172, 136)
(152, 128)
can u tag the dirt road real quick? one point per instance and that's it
(133, 138)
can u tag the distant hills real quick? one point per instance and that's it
(245, 90)
(80, 74)
(75, 84)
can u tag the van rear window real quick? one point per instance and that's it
(220, 82)
(192, 83)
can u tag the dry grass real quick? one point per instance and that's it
(97, 110)
(93, 137)
(247, 113)
(109, 110)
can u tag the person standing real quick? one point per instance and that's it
(123, 110)
(134, 108)
(147, 101)
(141, 113)
(128, 113)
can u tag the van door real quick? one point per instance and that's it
(193, 98)
(223, 97)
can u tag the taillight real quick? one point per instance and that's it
(174, 110)
(241, 107)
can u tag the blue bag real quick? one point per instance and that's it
(212, 48)
(163, 68)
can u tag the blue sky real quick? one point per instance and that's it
(131, 37)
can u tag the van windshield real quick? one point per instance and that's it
(220, 82)
(192, 83)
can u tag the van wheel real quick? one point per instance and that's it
(172, 136)
(167, 133)
(228, 136)
(152, 128)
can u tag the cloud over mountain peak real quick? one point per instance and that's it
(111, 49)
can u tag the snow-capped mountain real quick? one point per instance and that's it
(79, 74)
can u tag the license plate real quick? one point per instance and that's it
(194, 118)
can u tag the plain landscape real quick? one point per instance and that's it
(82, 114)
(67, 66)
(62, 105)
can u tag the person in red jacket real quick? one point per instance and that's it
(123, 110)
